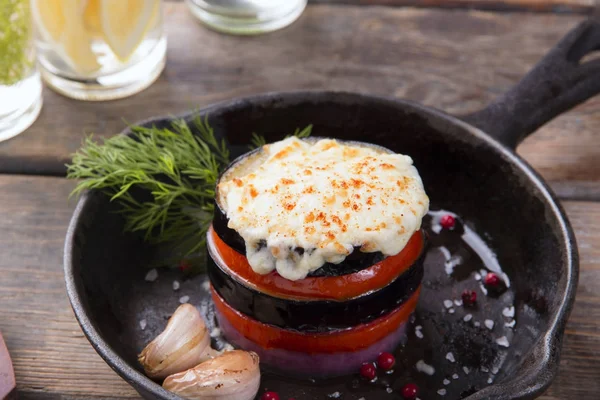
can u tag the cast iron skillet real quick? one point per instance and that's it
(468, 165)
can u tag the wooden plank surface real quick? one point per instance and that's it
(453, 60)
(572, 6)
(53, 360)
(49, 352)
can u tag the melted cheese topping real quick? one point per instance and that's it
(309, 203)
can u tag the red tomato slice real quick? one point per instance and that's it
(339, 288)
(347, 340)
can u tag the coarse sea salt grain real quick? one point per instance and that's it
(448, 303)
(442, 392)
(446, 382)
(445, 252)
(184, 299)
(389, 390)
(206, 285)
(467, 317)
(489, 324)
(450, 357)
(503, 341)
(143, 324)
(510, 324)
(151, 275)
(454, 376)
(451, 311)
(484, 369)
(215, 332)
(477, 324)
(495, 370)
(477, 276)
(451, 263)
(334, 395)
(467, 370)
(490, 380)
(176, 285)
(483, 288)
(458, 303)
(418, 332)
(425, 368)
(509, 312)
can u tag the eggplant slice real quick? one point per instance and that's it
(316, 315)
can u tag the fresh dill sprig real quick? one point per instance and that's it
(163, 178)
(257, 141)
(304, 133)
(178, 170)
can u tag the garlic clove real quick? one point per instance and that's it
(234, 375)
(183, 344)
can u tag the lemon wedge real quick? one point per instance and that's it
(49, 18)
(124, 24)
(61, 22)
(91, 17)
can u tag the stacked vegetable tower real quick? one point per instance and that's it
(316, 253)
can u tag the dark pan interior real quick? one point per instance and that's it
(462, 172)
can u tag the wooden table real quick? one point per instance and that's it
(454, 59)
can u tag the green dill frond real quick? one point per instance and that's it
(176, 167)
(304, 133)
(258, 140)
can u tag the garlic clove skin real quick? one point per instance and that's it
(234, 375)
(183, 344)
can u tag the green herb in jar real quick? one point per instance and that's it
(15, 37)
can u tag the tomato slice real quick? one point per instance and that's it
(339, 288)
(347, 340)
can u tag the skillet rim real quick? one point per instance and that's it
(544, 355)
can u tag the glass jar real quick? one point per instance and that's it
(20, 85)
(99, 49)
(247, 17)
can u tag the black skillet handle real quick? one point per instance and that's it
(557, 83)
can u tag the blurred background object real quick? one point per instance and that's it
(99, 49)
(247, 17)
(7, 375)
(20, 86)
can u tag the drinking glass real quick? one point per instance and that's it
(247, 17)
(20, 85)
(99, 49)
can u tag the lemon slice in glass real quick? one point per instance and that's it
(124, 24)
(91, 17)
(71, 26)
(61, 23)
(49, 18)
